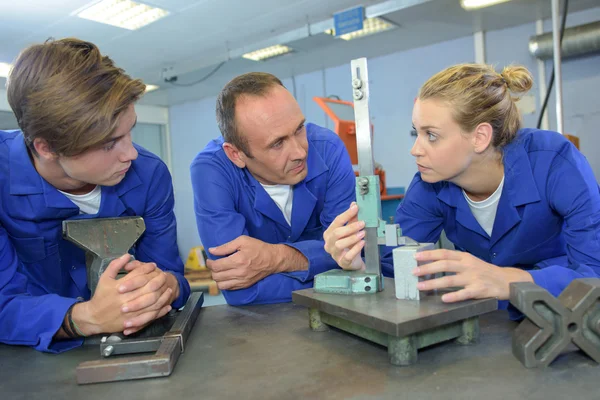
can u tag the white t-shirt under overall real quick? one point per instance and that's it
(485, 211)
(283, 196)
(88, 203)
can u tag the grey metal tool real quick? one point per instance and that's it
(552, 323)
(368, 198)
(367, 183)
(103, 239)
(167, 350)
(403, 326)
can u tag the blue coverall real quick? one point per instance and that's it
(230, 202)
(41, 274)
(548, 217)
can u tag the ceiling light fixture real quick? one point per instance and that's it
(125, 14)
(475, 4)
(268, 52)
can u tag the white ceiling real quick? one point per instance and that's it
(199, 34)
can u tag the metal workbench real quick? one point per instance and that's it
(269, 352)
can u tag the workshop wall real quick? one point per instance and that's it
(192, 126)
(395, 80)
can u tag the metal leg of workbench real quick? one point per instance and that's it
(470, 331)
(314, 320)
(402, 350)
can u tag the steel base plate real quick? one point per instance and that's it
(404, 326)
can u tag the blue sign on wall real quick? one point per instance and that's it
(349, 20)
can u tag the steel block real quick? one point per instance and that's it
(346, 282)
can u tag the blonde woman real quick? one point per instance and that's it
(518, 204)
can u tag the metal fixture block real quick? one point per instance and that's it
(552, 323)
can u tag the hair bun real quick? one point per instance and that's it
(518, 79)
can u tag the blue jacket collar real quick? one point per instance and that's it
(24, 179)
(518, 174)
(519, 189)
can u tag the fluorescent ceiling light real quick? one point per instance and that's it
(122, 13)
(268, 52)
(4, 69)
(474, 4)
(150, 88)
(370, 26)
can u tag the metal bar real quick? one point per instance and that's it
(185, 321)
(139, 367)
(541, 69)
(479, 42)
(557, 66)
(130, 346)
(360, 84)
(372, 262)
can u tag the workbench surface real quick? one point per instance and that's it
(269, 352)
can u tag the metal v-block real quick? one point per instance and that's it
(553, 323)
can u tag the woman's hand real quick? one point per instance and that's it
(477, 278)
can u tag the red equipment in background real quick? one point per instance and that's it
(342, 114)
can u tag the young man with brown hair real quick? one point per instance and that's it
(74, 159)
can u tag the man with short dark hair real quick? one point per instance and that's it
(74, 159)
(265, 192)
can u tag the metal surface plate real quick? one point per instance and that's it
(383, 312)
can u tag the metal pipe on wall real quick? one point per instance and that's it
(557, 66)
(577, 40)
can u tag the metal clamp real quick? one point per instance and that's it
(553, 323)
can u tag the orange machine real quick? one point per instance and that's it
(342, 114)
(573, 139)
